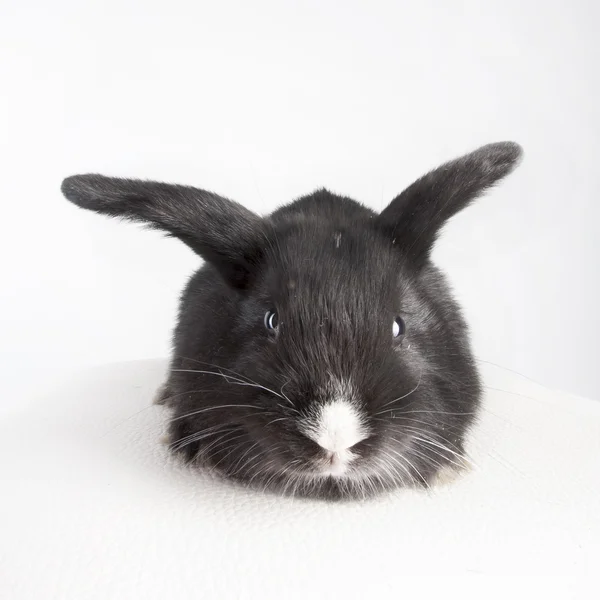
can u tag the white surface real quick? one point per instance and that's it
(92, 506)
(265, 100)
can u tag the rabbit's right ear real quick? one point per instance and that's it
(221, 231)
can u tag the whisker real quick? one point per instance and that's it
(286, 408)
(401, 465)
(489, 362)
(391, 471)
(248, 450)
(291, 479)
(235, 447)
(405, 458)
(275, 421)
(285, 395)
(426, 457)
(405, 395)
(432, 424)
(239, 375)
(437, 452)
(430, 412)
(232, 380)
(494, 389)
(203, 410)
(188, 392)
(461, 457)
(482, 408)
(203, 452)
(279, 473)
(196, 436)
(264, 468)
(221, 368)
(247, 463)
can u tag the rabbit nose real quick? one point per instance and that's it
(340, 427)
(337, 427)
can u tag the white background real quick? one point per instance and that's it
(263, 101)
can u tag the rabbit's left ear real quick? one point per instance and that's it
(414, 218)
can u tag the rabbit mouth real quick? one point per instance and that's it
(336, 464)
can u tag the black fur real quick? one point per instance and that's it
(337, 274)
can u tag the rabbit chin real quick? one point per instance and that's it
(346, 482)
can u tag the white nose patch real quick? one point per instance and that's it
(337, 426)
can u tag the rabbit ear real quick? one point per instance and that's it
(221, 231)
(414, 218)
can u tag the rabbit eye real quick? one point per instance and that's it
(398, 327)
(271, 321)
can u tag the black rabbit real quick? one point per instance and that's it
(318, 352)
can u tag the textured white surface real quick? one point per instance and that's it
(93, 507)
